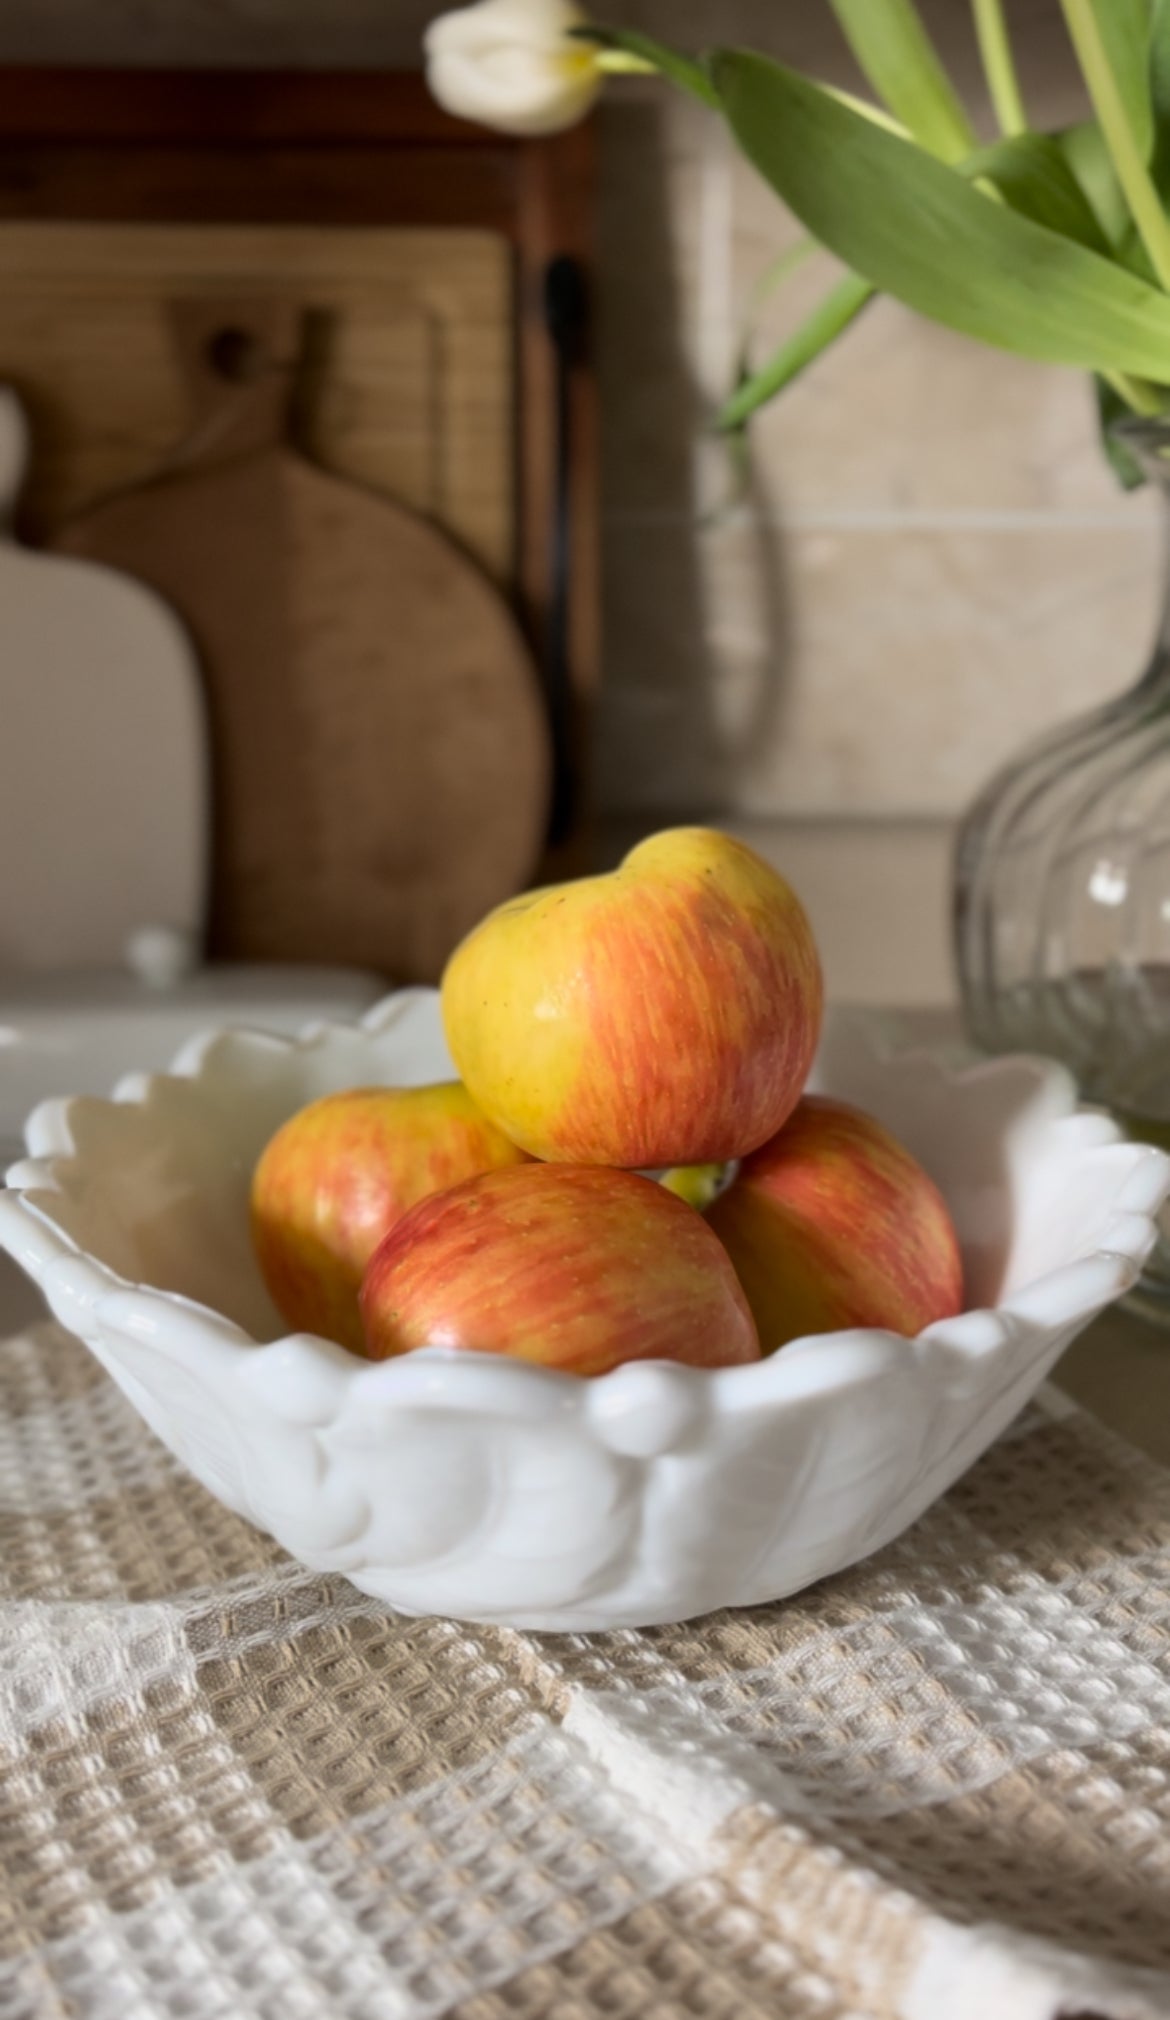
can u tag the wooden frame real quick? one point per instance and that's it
(354, 148)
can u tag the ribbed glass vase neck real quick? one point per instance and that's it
(1148, 441)
(1155, 681)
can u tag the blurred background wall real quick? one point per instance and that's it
(928, 560)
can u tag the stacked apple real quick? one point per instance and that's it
(662, 1019)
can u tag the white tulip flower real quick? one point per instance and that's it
(512, 64)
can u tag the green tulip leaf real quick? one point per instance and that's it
(1159, 58)
(832, 315)
(1160, 95)
(1032, 175)
(892, 46)
(1111, 39)
(1089, 160)
(916, 228)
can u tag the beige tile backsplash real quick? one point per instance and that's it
(933, 564)
(865, 665)
(930, 562)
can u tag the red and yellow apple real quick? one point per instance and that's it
(575, 1267)
(337, 1176)
(664, 1014)
(832, 1224)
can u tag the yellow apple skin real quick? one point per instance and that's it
(664, 1014)
(338, 1175)
(574, 1267)
(832, 1224)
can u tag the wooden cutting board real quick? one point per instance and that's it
(378, 742)
(103, 810)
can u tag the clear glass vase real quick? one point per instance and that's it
(1062, 899)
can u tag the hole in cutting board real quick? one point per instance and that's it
(236, 355)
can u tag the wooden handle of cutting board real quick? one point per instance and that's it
(239, 360)
(380, 751)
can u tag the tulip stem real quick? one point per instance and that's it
(999, 67)
(628, 49)
(623, 63)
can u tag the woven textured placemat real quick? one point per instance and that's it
(936, 1787)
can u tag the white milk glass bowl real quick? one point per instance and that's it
(493, 1490)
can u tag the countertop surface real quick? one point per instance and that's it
(1120, 1370)
(936, 1783)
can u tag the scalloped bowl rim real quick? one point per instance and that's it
(1083, 1286)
